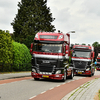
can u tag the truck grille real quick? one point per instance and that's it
(98, 65)
(45, 68)
(80, 64)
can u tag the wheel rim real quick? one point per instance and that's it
(64, 75)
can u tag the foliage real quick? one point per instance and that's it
(33, 16)
(76, 43)
(96, 44)
(99, 94)
(22, 56)
(83, 44)
(6, 48)
(27, 41)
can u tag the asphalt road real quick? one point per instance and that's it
(28, 88)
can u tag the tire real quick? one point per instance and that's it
(72, 75)
(65, 76)
(90, 75)
(36, 78)
(93, 73)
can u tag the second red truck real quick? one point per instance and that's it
(82, 60)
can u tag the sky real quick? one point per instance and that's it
(81, 16)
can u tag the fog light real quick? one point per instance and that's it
(87, 69)
(33, 70)
(57, 76)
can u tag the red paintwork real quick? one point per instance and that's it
(65, 37)
(47, 53)
(97, 68)
(82, 46)
(53, 76)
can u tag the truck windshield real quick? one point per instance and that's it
(85, 54)
(52, 48)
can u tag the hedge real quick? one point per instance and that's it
(22, 56)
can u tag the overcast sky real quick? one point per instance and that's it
(82, 16)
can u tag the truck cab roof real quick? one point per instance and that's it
(51, 36)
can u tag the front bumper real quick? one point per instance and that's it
(98, 68)
(53, 76)
(82, 72)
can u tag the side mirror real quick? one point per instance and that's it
(69, 54)
(66, 47)
(93, 54)
(31, 47)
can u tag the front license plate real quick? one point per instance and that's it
(45, 76)
(79, 72)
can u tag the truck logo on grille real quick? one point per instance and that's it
(80, 63)
(46, 61)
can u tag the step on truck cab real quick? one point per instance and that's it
(50, 56)
(82, 60)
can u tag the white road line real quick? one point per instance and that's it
(32, 97)
(57, 85)
(43, 92)
(51, 88)
(63, 83)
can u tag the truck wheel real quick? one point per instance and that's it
(64, 78)
(36, 78)
(93, 73)
(72, 75)
(90, 75)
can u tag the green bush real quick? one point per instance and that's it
(6, 49)
(22, 57)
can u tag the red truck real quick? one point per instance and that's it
(50, 56)
(82, 60)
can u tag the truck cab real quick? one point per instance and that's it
(82, 60)
(50, 56)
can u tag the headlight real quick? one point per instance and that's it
(60, 37)
(58, 72)
(36, 36)
(87, 69)
(33, 70)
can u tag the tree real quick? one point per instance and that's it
(83, 44)
(96, 44)
(33, 16)
(6, 48)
